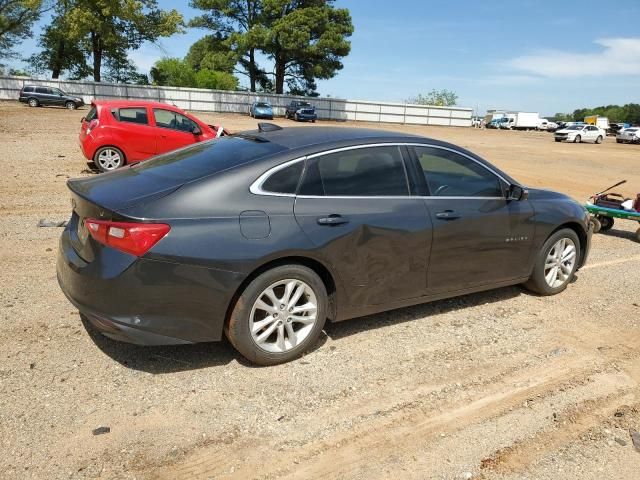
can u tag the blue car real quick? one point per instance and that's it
(261, 110)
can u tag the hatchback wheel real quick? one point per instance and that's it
(108, 158)
(556, 263)
(33, 102)
(279, 315)
(70, 106)
(599, 139)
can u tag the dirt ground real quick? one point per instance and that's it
(496, 385)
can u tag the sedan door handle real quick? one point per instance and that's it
(333, 220)
(448, 215)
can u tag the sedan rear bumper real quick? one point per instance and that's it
(144, 301)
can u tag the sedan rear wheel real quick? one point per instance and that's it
(556, 263)
(279, 315)
(599, 139)
(108, 158)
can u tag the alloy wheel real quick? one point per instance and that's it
(109, 159)
(283, 315)
(33, 102)
(560, 263)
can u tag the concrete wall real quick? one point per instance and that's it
(196, 99)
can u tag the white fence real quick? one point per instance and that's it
(196, 99)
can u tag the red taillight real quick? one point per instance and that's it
(134, 238)
(92, 124)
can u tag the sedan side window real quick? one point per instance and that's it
(285, 180)
(364, 172)
(131, 115)
(173, 120)
(450, 174)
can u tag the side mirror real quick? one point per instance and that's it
(517, 193)
(196, 130)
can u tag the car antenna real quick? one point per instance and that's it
(268, 127)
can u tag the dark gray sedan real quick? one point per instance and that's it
(264, 235)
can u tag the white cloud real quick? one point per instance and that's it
(618, 56)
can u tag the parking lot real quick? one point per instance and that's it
(496, 385)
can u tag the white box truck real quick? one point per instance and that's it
(522, 121)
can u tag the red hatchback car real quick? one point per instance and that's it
(118, 132)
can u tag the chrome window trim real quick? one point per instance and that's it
(256, 186)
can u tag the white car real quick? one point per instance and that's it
(628, 135)
(580, 133)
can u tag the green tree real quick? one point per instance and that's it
(178, 73)
(306, 39)
(58, 52)
(215, 80)
(211, 52)
(16, 19)
(239, 22)
(438, 98)
(106, 28)
(119, 69)
(173, 72)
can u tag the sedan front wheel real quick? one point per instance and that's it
(556, 263)
(279, 315)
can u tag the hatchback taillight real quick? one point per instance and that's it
(133, 238)
(92, 124)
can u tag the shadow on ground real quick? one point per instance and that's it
(624, 234)
(179, 358)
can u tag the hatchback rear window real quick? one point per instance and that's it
(131, 115)
(206, 158)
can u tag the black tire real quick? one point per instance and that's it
(596, 224)
(599, 139)
(103, 168)
(70, 106)
(33, 102)
(295, 117)
(618, 140)
(237, 328)
(558, 140)
(578, 139)
(537, 282)
(638, 234)
(313, 121)
(606, 223)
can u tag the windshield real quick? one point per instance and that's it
(631, 130)
(304, 104)
(263, 105)
(574, 127)
(206, 158)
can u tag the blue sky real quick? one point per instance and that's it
(533, 55)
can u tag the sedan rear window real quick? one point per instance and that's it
(206, 158)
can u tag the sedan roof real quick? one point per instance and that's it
(299, 137)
